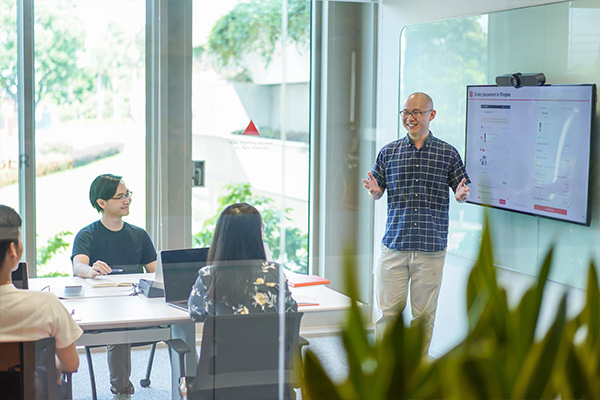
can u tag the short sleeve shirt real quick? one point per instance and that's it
(130, 248)
(29, 316)
(417, 182)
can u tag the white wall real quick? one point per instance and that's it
(394, 16)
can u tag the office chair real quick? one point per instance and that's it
(20, 276)
(239, 358)
(28, 372)
(145, 382)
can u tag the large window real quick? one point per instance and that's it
(9, 128)
(250, 106)
(89, 114)
(280, 108)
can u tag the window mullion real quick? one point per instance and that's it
(26, 114)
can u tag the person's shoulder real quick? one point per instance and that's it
(88, 230)
(91, 227)
(442, 144)
(394, 146)
(396, 143)
(270, 269)
(206, 270)
(38, 299)
(134, 228)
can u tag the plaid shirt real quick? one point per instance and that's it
(417, 182)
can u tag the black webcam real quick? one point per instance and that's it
(517, 80)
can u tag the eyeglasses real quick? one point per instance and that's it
(123, 196)
(414, 114)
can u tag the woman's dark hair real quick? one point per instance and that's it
(236, 246)
(10, 222)
(103, 187)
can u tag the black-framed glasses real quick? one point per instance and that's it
(414, 114)
(123, 196)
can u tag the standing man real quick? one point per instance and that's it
(416, 171)
(107, 244)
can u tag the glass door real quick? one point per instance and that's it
(250, 106)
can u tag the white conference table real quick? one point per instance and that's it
(110, 315)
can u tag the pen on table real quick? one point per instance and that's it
(117, 270)
(73, 312)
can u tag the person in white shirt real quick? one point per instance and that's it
(29, 316)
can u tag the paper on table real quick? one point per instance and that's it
(105, 281)
(305, 300)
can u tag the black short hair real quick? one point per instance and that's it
(10, 223)
(103, 187)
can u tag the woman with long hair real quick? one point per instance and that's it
(238, 279)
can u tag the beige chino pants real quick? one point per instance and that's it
(394, 273)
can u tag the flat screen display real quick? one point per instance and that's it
(528, 149)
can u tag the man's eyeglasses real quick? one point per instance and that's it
(123, 196)
(414, 114)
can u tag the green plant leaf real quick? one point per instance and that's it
(534, 380)
(579, 382)
(591, 310)
(523, 320)
(317, 385)
(362, 360)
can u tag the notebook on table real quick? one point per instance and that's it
(179, 269)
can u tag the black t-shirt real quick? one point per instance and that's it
(129, 249)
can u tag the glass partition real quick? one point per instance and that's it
(9, 127)
(250, 124)
(441, 58)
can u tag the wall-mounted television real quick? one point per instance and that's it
(528, 149)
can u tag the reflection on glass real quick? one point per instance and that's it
(443, 71)
(9, 128)
(442, 57)
(250, 103)
(90, 118)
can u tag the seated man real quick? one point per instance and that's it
(29, 316)
(111, 243)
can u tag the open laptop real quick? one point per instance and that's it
(179, 270)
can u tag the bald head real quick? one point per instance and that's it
(417, 113)
(421, 98)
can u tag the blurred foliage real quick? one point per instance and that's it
(92, 81)
(505, 354)
(55, 244)
(59, 41)
(255, 27)
(296, 242)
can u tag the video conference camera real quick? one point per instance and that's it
(518, 79)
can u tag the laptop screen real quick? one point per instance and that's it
(180, 270)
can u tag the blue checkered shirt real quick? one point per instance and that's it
(417, 182)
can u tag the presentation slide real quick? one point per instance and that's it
(528, 149)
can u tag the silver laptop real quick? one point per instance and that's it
(179, 272)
